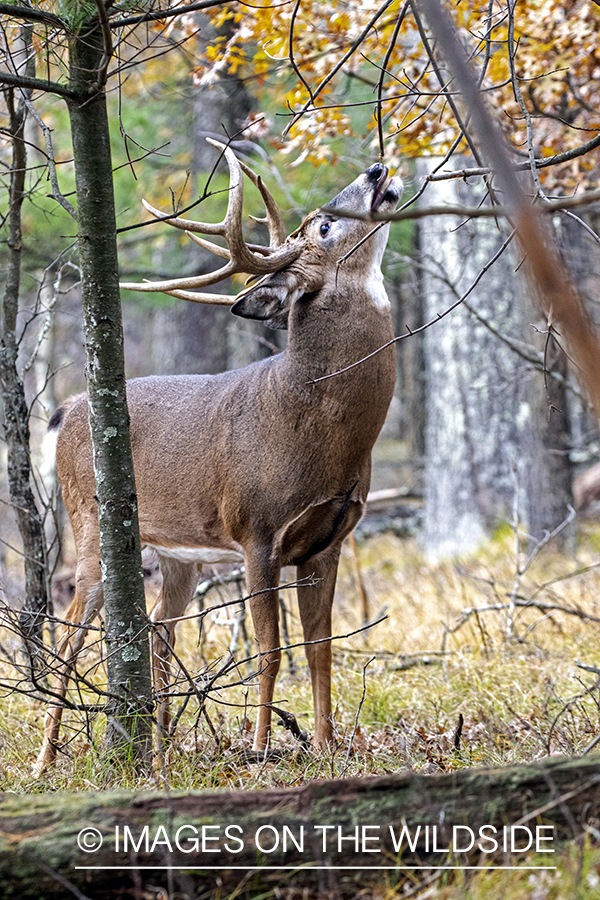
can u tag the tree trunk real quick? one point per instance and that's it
(549, 483)
(209, 844)
(126, 623)
(484, 400)
(16, 411)
(583, 259)
(474, 393)
(411, 363)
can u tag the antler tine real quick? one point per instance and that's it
(175, 284)
(210, 299)
(274, 219)
(185, 224)
(234, 206)
(245, 259)
(241, 257)
(223, 251)
(276, 225)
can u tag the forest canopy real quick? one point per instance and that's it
(320, 71)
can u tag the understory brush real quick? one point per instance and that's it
(436, 684)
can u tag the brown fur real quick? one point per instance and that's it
(261, 458)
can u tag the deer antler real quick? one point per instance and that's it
(251, 259)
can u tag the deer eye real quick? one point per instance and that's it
(324, 228)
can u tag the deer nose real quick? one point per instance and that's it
(375, 172)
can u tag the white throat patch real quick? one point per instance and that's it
(375, 288)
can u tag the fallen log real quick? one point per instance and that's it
(327, 837)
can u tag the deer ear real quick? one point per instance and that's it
(269, 300)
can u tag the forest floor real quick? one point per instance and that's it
(437, 685)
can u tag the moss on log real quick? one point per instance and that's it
(330, 836)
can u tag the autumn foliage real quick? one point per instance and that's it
(378, 57)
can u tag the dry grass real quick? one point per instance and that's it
(520, 699)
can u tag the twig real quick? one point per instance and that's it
(587, 667)
(335, 69)
(286, 636)
(458, 732)
(360, 706)
(442, 82)
(518, 571)
(293, 63)
(288, 720)
(60, 879)
(557, 801)
(520, 602)
(161, 14)
(544, 163)
(107, 41)
(303, 582)
(591, 745)
(519, 97)
(383, 72)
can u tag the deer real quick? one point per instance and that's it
(265, 465)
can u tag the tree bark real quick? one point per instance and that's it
(126, 623)
(411, 376)
(549, 802)
(16, 411)
(475, 395)
(549, 492)
(487, 410)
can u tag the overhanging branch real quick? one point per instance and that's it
(37, 84)
(167, 13)
(32, 15)
(468, 212)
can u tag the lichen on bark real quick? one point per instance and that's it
(126, 623)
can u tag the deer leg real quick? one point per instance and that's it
(315, 603)
(88, 600)
(179, 583)
(265, 615)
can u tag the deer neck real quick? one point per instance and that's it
(331, 330)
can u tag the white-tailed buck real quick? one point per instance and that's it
(259, 465)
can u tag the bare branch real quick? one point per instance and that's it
(546, 162)
(583, 224)
(470, 212)
(107, 40)
(291, 52)
(37, 84)
(30, 14)
(383, 72)
(356, 717)
(47, 132)
(519, 97)
(159, 15)
(442, 82)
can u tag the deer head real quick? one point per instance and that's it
(326, 247)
